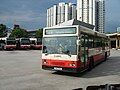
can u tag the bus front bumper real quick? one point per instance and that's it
(10, 47)
(63, 69)
(25, 47)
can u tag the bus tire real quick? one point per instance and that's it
(91, 64)
(2, 47)
(105, 56)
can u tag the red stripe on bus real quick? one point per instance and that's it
(98, 57)
(61, 63)
(10, 46)
(37, 46)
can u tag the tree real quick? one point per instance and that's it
(19, 33)
(39, 33)
(3, 31)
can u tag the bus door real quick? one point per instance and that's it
(84, 50)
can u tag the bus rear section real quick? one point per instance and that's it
(10, 44)
(25, 43)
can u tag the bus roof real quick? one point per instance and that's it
(74, 22)
(84, 27)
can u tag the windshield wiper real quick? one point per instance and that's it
(45, 50)
(67, 52)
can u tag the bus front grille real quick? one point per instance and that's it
(57, 63)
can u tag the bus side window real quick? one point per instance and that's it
(91, 43)
(97, 42)
(103, 43)
(82, 41)
(85, 41)
(107, 44)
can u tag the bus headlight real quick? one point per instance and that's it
(44, 62)
(72, 64)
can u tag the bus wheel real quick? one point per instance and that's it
(105, 56)
(91, 64)
(2, 47)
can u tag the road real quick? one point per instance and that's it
(21, 70)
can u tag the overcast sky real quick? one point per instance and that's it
(31, 14)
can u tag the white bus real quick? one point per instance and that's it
(73, 48)
(36, 43)
(25, 43)
(10, 44)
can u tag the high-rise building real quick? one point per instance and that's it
(101, 16)
(92, 12)
(60, 13)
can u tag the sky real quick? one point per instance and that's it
(31, 14)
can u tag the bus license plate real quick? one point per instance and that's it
(55, 68)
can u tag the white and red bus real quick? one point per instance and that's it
(73, 48)
(2, 44)
(36, 43)
(25, 43)
(10, 44)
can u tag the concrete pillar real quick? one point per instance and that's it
(119, 43)
(116, 43)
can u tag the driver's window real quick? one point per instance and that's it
(82, 40)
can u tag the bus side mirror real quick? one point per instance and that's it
(78, 42)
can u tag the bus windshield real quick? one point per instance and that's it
(11, 42)
(39, 41)
(60, 45)
(2, 41)
(25, 41)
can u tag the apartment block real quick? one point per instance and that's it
(92, 12)
(60, 13)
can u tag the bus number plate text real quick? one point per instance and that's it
(55, 68)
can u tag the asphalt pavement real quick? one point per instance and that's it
(21, 70)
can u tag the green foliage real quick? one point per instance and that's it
(3, 30)
(39, 33)
(19, 33)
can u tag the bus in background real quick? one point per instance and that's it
(39, 44)
(33, 42)
(10, 44)
(25, 43)
(73, 48)
(2, 44)
(36, 44)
